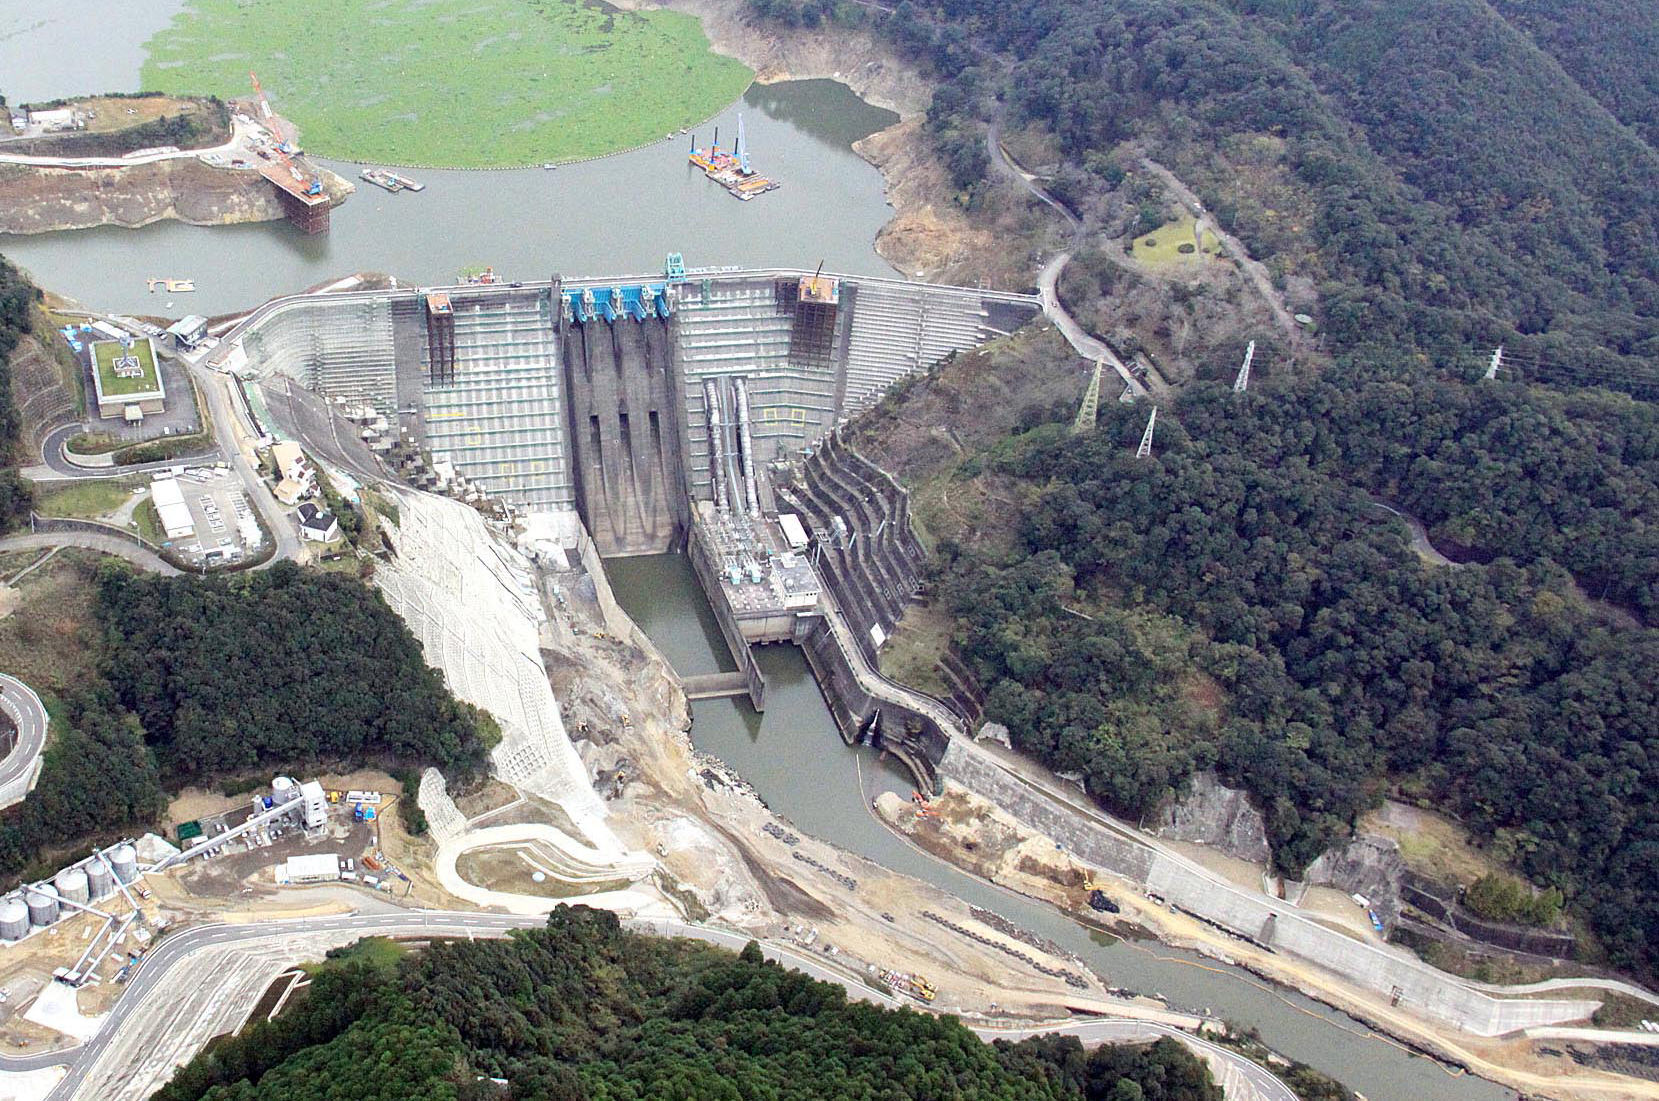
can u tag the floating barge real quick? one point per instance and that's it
(730, 167)
(391, 181)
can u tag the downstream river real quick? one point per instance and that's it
(621, 215)
(796, 760)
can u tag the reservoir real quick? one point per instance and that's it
(796, 760)
(612, 216)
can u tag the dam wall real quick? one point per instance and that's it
(546, 408)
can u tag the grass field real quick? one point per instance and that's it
(452, 83)
(86, 500)
(1163, 245)
(105, 352)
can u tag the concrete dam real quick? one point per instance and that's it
(629, 400)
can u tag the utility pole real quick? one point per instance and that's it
(1243, 380)
(1145, 449)
(1087, 412)
(1495, 363)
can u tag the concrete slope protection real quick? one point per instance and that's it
(21, 765)
(149, 988)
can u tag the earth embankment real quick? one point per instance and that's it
(43, 200)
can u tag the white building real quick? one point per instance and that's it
(315, 800)
(313, 868)
(168, 497)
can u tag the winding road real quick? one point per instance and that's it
(22, 764)
(147, 991)
(1048, 280)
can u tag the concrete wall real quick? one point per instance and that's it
(1405, 980)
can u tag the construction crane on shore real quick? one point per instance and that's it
(265, 111)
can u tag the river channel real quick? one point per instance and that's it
(793, 756)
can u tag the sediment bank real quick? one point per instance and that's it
(44, 200)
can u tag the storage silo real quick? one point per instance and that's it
(125, 859)
(100, 881)
(284, 790)
(14, 919)
(71, 884)
(43, 908)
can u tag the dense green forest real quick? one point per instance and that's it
(277, 667)
(199, 678)
(1324, 661)
(17, 305)
(582, 1011)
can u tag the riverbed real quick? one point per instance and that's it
(797, 762)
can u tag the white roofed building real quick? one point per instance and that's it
(168, 497)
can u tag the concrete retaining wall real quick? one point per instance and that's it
(1405, 981)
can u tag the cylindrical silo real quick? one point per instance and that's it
(43, 908)
(100, 881)
(14, 919)
(284, 790)
(125, 859)
(71, 884)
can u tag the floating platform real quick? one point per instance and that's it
(391, 181)
(730, 167)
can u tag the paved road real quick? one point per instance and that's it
(90, 540)
(240, 144)
(152, 974)
(54, 467)
(1048, 280)
(17, 771)
(230, 430)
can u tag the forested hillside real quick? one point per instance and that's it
(1430, 174)
(581, 1010)
(17, 303)
(277, 667)
(195, 679)
(1235, 601)
(1607, 46)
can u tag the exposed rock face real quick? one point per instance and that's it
(1219, 816)
(41, 200)
(1368, 865)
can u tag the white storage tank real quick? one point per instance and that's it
(284, 790)
(100, 881)
(125, 859)
(71, 884)
(14, 919)
(43, 908)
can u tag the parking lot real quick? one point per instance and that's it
(222, 515)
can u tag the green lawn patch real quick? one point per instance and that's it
(104, 355)
(1164, 244)
(454, 83)
(85, 500)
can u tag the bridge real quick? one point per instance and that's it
(715, 686)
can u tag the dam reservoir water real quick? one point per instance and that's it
(616, 215)
(798, 763)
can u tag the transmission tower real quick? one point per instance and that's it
(1495, 363)
(1145, 449)
(1243, 380)
(1086, 412)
